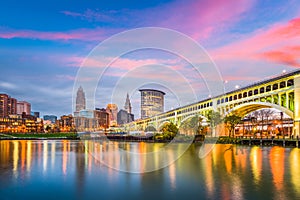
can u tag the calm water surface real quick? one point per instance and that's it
(67, 170)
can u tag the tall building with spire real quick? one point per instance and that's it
(125, 116)
(127, 106)
(80, 99)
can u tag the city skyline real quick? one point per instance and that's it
(248, 40)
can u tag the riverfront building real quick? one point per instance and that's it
(8, 105)
(92, 120)
(23, 106)
(152, 102)
(124, 117)
(112, 109)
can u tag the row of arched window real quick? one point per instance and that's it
(261, 90)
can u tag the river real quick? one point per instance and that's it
(65, 169)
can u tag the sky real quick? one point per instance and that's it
(43, 44)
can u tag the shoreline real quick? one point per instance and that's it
(263, 142)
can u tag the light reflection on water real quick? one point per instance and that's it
(68, 169)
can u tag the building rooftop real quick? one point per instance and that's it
(152, 90)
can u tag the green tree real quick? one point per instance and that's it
(215, 119)
(231, 121)
(169, 130)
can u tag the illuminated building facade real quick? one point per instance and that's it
(21, 124)
(112, 110)
(92, 120)
(152, 102)
(124, 117)
(23, 106)
(103, 118)
(66, 123)
(80, 100)
(8, 105)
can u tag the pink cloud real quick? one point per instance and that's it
(202, 19)
(275, 44)
(283, 57)
(91, 15)
(120, 63)
(198, 19)
(97, 34)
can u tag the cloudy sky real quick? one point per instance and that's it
(43, 44)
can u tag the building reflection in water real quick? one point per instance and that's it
(53, 153)
(228, 158)
(64, 156)
(277, 164)
(23, 154)
(207, 167)
(15, 157)
(172, 170)
(45, 155)
(294, 161)
(226, 169)
(28, 155)
(256, 163)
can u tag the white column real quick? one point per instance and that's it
(287, 100)
(279, 99)
(297, 105)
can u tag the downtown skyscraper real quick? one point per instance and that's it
(127, 106)
(80, 100)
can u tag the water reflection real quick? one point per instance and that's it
(294, 161)
(227, 172)
(256, 163)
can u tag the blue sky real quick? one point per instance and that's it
(43, 43)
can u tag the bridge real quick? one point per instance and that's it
(281, 92)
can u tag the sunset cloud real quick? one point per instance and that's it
(92, 15)
(97, 34)
(275, 44)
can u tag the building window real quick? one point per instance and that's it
(245, 94)
(275, 86)
(290, 82)
(268, 88)
(240, 95)
(255, 91)
(282, 84)
(250, 93)
(261, 90)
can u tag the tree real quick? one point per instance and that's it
(215, 119)
(169, 130)
(193, 124)
(231, 121)
(267, 114)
